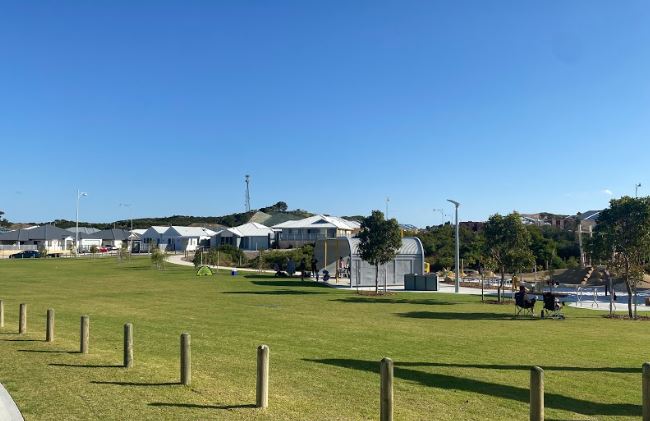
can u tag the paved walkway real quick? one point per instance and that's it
(8, 409)
(177, 259)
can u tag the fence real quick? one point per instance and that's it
(14, 247)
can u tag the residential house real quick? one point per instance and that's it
(111, 237)
(250, 236)
(177, 238)
(317, 227)
(52, 238)
(152, 237)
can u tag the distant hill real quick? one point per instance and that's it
(269, 216)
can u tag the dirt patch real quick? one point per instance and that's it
(375, 294)
(625, 317)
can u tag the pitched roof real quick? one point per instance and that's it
(139, 231)
(44, 232)
(110, 234)
(83, 230)
(320, 221)
(193, 231)
(157, 229)
(251, 229)
(410, 245)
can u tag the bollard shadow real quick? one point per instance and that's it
(502, 391)
(519, 367)
(135, 383)
(198, 406)
(373, 300)
(87, 365)
(48, 351)
(441, 315)
(23, 340)
(278, 292)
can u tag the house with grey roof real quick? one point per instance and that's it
(48, 236)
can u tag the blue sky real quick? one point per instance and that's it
(330, 106)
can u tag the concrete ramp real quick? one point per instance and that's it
(8, 409)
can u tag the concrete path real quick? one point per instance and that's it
(8, 409)
(177, 259)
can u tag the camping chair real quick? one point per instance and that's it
(522, 306)
(552, 307)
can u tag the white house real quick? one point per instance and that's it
(111, 237)
(186, 238)
(317, 227)
(153, 235)
(250, 236)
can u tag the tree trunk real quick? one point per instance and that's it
(501, 282)
(376, 279)
(628, 287)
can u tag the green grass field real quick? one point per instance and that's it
(455, 358)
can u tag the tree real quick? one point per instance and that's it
(3, 220)
(157, 257)
(379, 241)
(507, 242)
(621, 240)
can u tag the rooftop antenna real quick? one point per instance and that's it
(247, 179)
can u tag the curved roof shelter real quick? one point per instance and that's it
(409, 259)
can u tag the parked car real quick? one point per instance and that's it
(103, 249)
(26, 254)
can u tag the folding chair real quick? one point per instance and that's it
(522, 307)
(552, 307)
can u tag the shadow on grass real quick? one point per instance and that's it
(441, 315)
(23, 340)
(279, 292)
(520, 394)
(48, 351)
(520, 367)
(197, 406)
(290, 283)
(135, 383)
(87, 365)
(373, 300)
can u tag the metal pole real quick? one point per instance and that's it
(76, 235)
(645, 385)
(457, 283)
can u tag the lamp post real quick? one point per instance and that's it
(457, 283)
(636, 189)
(80, 194)
(387, 201)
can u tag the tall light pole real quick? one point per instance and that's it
(387, 201)
(80, 194)
(128, 206)
(457, 283)
(636, 189)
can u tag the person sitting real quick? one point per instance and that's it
(525, 301)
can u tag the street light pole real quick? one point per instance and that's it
(387, 200)
(457, 283)
(79, 195)
(636, 189)
(128, 206)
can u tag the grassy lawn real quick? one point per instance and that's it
(455, 358)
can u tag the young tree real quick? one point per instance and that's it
(507, 242)
(380, 240)
(621, 240)
(157, 257)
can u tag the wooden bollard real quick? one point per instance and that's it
(128, 345)
(536, 394)
(22, 319)
(2, 313)
(49, 326)
(186, 359)
(386, 390)
(262, 384)
(646, 391)
(84, 334)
